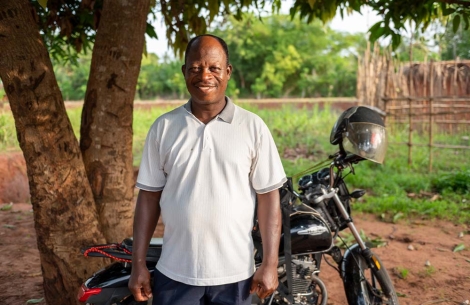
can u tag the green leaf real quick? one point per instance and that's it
(456, 23)
(396, 40)
(9, 226)
(459, 248)
(311, 3)
(402, 295)
(34, 301)
(466, 20)
(376, 34)
(356, 5)
(213, 9)
(43, 3)
(447, 11)
(150, 30)
(376, 31)
(397, 216)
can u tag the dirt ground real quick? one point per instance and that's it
(418, 254)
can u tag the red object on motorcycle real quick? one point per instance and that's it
(84, 293)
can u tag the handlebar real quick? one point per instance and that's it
(326, 195)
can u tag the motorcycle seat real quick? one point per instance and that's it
(156, 241)
(154, 251)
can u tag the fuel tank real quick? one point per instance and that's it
(309, 234)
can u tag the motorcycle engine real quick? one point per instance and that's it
(301, 275)
(302, 269)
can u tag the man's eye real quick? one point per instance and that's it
(215, 69)
(194, 69)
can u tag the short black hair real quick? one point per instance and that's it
(220, 40)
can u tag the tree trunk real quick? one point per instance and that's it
(106, 129)
(64, 211)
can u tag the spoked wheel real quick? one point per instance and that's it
(365, 285)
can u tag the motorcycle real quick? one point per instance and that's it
(313, 216)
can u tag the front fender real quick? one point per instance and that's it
(352, 267)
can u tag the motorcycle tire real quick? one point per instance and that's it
(365, 285)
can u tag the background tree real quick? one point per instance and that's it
(455, 44)
(60, 193)
(106, 125)
(72, 78)
(275, 56)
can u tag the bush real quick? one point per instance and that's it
(457, 181)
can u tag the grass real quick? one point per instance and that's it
(402, 272)
(8, 140)
(389, 186)
(347, 239)
(428, 271)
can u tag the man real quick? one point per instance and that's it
(203, 166)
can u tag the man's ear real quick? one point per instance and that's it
(183, 69)
(229, 70)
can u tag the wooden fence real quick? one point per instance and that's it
(424, 97)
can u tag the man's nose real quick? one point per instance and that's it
(206, 74)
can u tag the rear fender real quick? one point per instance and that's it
(113, 281)
(115, 275)
(109, 296)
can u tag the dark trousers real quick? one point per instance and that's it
(169, 292)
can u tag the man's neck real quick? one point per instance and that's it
(206, 113)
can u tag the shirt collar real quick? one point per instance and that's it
(225, 115)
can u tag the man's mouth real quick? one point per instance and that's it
(205, 87)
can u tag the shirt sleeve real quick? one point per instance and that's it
(267, 173)
(151, 175)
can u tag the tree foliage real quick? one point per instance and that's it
(396, 14)
(275, 57)
(70, 26)
(272, 56)
(455, 43)
(72, 78)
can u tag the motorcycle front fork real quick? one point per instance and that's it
(369, 257)
(348, 218)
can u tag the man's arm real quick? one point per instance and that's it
(147, 212)
(265, 279)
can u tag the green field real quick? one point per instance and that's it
(396, 191)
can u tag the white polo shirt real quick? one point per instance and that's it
(210, 174)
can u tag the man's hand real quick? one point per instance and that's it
(139, 284)
(264, 281)
(269, 218)
(147, 212)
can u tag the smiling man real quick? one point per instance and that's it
(203, 167)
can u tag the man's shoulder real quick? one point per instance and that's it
(251, 121)
(247, 115)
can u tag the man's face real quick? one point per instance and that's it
(206, 71)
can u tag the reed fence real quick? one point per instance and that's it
(425, 97)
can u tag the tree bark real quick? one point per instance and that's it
(64, 210)
(106, 129)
